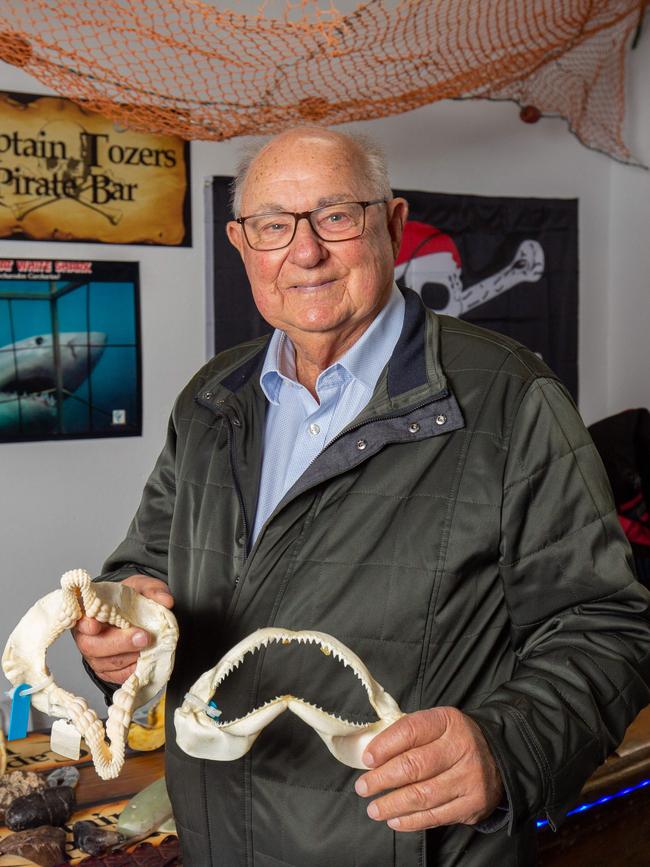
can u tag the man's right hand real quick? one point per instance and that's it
(112, 652)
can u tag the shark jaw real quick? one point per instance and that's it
(200, 735)
(24, 659)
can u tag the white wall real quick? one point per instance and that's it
(65, 505)
(628, 309)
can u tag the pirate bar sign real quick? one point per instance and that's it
(68, 174)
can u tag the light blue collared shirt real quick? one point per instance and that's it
(297, 426)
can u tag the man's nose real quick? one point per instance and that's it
(306, 249)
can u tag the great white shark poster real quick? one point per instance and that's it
(69, 349)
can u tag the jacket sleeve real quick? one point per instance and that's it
(580, 626)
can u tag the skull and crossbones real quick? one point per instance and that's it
(429, 263)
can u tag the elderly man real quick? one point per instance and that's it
(421, 489)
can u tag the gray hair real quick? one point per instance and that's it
(372, 155)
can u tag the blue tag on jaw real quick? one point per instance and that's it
(216, 712)
(19, 718)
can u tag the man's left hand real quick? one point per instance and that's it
(436, 768)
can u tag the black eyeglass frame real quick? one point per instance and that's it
(299, 215)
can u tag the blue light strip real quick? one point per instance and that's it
(542, 823)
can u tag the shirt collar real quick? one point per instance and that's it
(364, 360)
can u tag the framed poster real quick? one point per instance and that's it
(505, 263)
(68, 174)
(69, 349)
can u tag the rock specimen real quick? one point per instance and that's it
(167, 854)
(15, 784)
(92, 839)
(49, 807)
(66, 776)
(44, 846)
(146, 811)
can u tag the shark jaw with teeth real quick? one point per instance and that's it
(200, 734)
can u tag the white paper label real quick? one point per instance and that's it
(65, 739)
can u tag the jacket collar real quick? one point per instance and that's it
(413, 373)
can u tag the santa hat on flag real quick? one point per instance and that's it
(422, 239)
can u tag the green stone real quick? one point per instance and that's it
(168, 827)
(145, 812)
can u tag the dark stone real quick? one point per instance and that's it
(92, 839)
(49, 807)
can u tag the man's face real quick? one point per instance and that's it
(318, 290)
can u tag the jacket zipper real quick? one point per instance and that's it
(351, 429)
(233, 461)
(232, 454)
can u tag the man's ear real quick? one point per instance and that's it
(235, 235)
(398, 210)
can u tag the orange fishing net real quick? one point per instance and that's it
(188, 68)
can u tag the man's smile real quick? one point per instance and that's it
(312, 287)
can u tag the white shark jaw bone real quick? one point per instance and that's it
(200, 735)
(23, 660)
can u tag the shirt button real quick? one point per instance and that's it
(314, 429)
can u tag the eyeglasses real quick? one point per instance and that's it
(340, 222)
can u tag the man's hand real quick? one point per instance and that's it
(111, 652)
(440, 770)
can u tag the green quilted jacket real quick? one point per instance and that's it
(459, 536)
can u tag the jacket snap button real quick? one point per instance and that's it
(441, 419)
(414, 427)
(361, 444)
(236, 421)
(207, 395)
